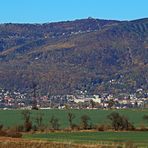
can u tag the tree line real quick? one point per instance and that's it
(118, 122)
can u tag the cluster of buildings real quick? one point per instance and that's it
(15, 100)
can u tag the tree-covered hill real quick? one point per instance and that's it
(89, 54)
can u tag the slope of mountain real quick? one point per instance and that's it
(89, 54)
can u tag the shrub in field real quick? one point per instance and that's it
(19, 128)
(1, 127)
(27, 122)
(99, 127)
(75, 127)
(142, 127)
(3, 133)
(54, 123)
(39, 120)
(71, 117)
(34, 128)
(102, 127)
(120, 122)
(85, 119)
(13, 134)
(10, 133)
(43, 128)
(28, 126)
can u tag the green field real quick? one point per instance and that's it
(13, 117)
(138, 138)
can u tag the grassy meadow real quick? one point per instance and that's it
(109, 138)
(79, 139)
(11, 118)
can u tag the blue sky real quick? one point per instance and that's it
(41, 11)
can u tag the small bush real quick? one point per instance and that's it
(28, 126)
(14, 134)
(120, 122)
(42, 128)
(102, 127)
(75, 127)
(27, 122)
(19, 128)
(3, 133)
(1, 127)
(54, 123)
(67, 130)
(142, 127)
(34, 128)
(10, 133)
(85, 119)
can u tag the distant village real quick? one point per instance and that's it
(81, 100)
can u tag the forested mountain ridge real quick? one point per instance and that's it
(64, 57)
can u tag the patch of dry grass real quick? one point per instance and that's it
(22, 143)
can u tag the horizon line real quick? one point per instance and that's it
(70, 20)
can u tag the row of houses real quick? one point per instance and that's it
(79, 101)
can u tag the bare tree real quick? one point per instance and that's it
(71, 117)
(54, 123)
(85, 121)
(120, 122)
(27, 122)
(39, 119)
